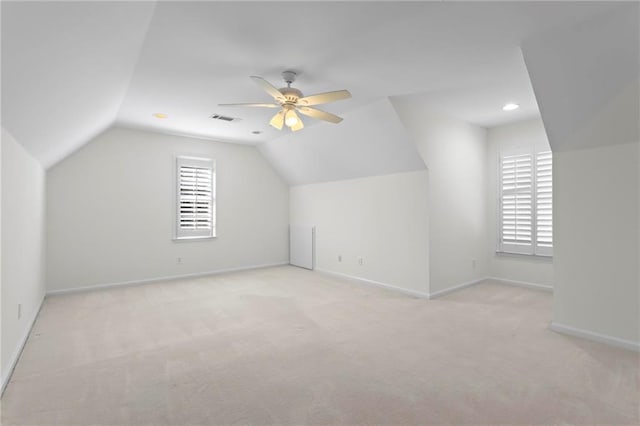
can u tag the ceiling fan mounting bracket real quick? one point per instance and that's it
(289, 76)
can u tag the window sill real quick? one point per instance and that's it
(524, 256)
(188, 239)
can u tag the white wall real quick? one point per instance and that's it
(23, 227)
(528, 269)
(590, 110)
(2, 136)
(2, 380)
(455, 153)
(383, 219)
(596, 217)
(111, 209)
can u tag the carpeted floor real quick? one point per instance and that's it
(289, 346)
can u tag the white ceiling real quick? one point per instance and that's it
(371, 141)
(595, 100)
(65, 70)
(69, 70)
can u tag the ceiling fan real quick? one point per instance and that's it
(290, 100)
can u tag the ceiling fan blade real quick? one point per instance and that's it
(268, 87)
(278, 120)
(252, 105)
(299, 125)
(323, 98)
(319, 114)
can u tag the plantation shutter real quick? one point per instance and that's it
(195, 198)
(516, 221)
(544, 199)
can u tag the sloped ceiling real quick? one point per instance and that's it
(371, 141)
(66, 67)
(586, 79)
(72, 69)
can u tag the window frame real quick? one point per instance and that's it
(531, 249)
(180, 234)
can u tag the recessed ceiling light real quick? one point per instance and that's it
(160, 115)
(510, 107)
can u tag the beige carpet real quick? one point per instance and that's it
(290, 346)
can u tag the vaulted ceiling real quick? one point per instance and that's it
(72, 69)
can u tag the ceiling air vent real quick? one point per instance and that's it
(224, 118)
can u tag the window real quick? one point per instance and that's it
(525, 224)
(195, 200)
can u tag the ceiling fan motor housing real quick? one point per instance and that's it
(290, 94)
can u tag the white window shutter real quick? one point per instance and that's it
(516, 204)
(195, 200)
(544, 204)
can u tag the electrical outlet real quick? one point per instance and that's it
(360, 261)
(179, 260)
(19, 310)
(473, 263)
(339, 258)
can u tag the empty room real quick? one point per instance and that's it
(320, 212)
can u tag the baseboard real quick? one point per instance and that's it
(596, 337)
(446, 291)
(18, 351)
(160, 279)
(438, 293)
(366, 281)
(525, 284)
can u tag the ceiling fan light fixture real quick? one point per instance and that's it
(291, 118)
(278, 120)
